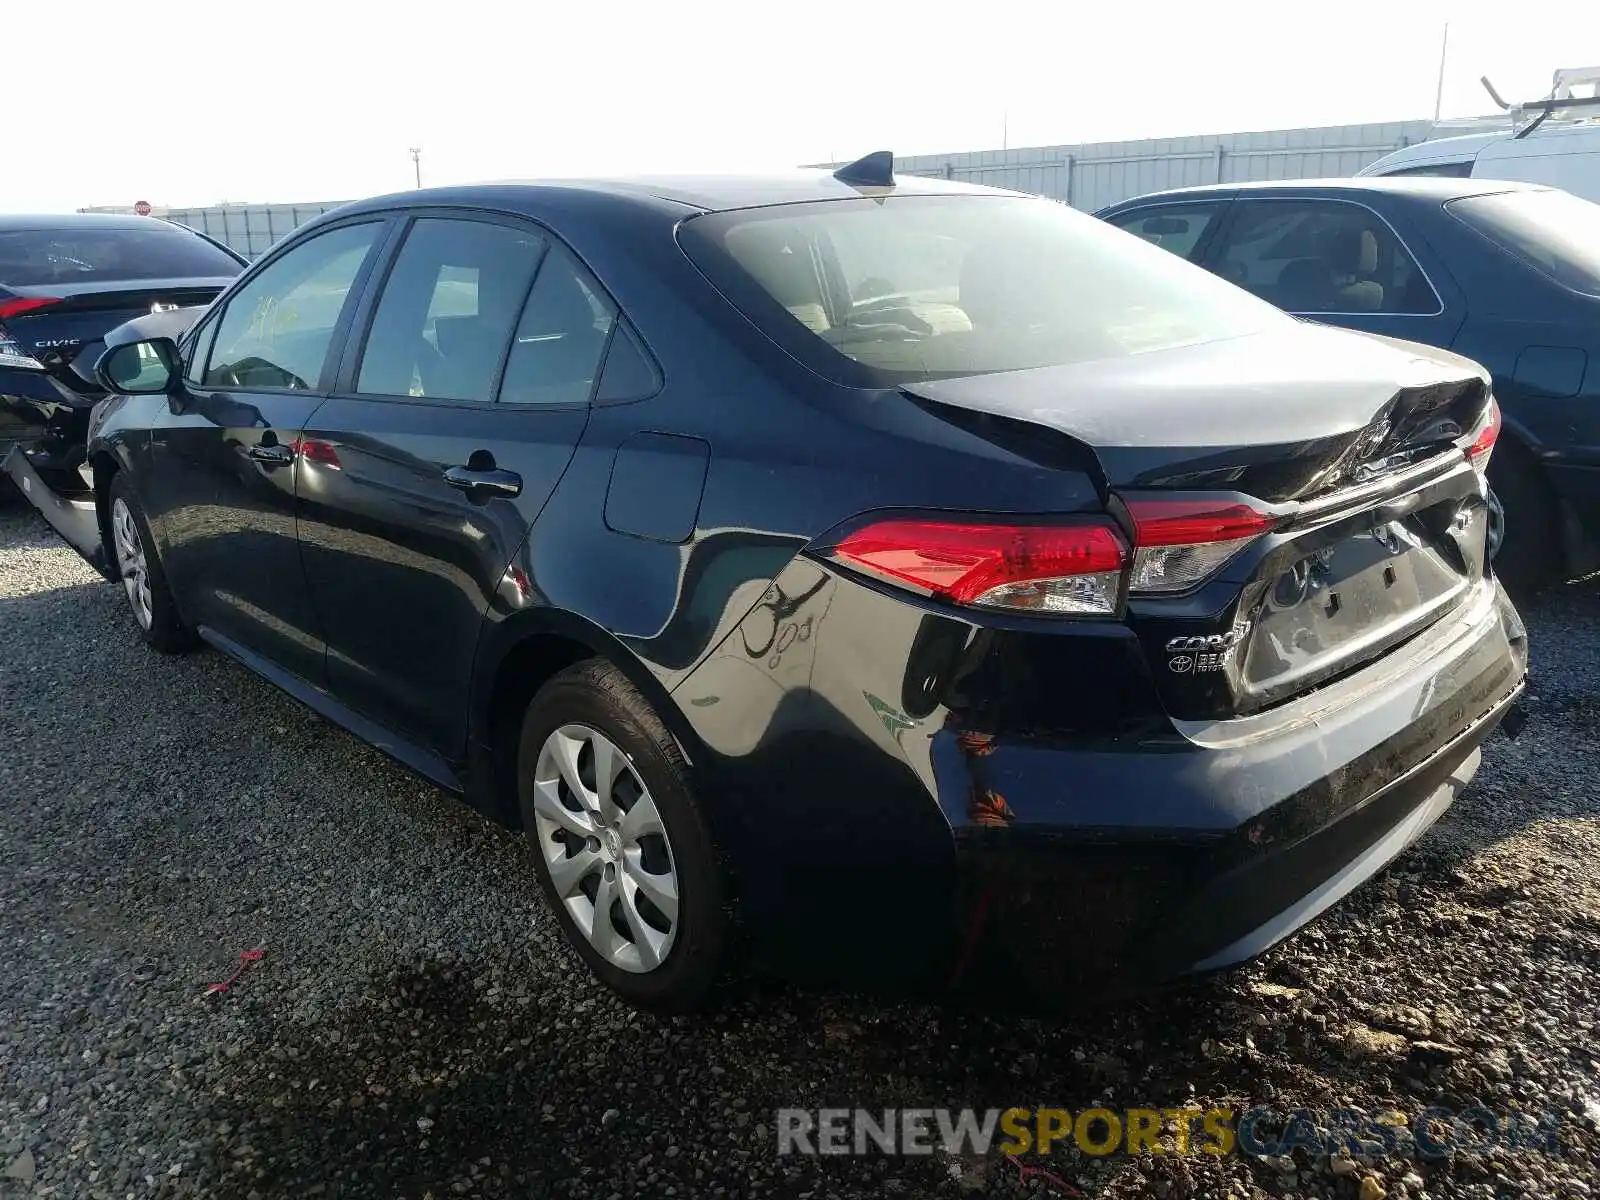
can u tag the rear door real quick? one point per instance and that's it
(1336, 261)
(222, 484)
(456, 414)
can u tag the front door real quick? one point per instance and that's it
(224, 459)
(454, 420)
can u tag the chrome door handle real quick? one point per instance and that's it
(482, 484)
(273, 455)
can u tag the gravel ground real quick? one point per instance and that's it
(414, 1027)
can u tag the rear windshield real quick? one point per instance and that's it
(1554, 231)
(29, 257)
(877, 292)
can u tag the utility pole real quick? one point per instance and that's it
(416, 162)
(1438, 95)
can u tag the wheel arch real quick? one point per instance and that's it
(105, 467)
(517, 656)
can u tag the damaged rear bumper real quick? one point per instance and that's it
(1265, 822)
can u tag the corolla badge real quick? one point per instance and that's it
(1204, 651)
(1206, 641)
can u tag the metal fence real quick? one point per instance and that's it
(251, 229)
(1087, 176)
(1094, 174)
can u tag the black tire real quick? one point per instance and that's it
(1530, 550)
(596, 695)
(165, 630)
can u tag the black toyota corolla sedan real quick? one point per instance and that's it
(880, 571)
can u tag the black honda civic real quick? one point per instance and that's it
(64, 281)
(861, 570)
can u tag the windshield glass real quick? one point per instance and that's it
(29, 257)
(877, 292)
(1556, 232)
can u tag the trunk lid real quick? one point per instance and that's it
(1276, 415)
(1351, 443)
(67, 334)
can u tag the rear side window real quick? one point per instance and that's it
(1321, 256)
(1553, 232)
(561, 337)
(444, 321)
(1178, 227)
(873, 292)
(34, 257)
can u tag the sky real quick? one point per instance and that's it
(283, 100)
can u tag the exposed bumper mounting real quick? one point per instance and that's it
(74, 519)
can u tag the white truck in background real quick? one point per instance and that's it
(1554, 141)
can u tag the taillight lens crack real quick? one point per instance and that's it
(1180, 542)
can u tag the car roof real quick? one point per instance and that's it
(22, 222)
(705, 193)
(1427, 187)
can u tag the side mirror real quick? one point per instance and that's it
(150, 367)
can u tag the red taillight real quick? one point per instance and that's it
(1185, 522)
(1181, 542)
(1067, 569)
(19, 305)
(1485, 436)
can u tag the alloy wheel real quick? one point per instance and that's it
(605, 846)
(131, 562)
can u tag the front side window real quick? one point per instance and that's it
(1554, 232)
(197, 352)
(1321, 256)
(277, 328)
(1178, 227)
(444, 321)
(877, 292)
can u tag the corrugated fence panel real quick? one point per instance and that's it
(1087, 176)
(251, 229)
(1093, 175)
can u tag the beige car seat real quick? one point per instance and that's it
(1356, 256)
